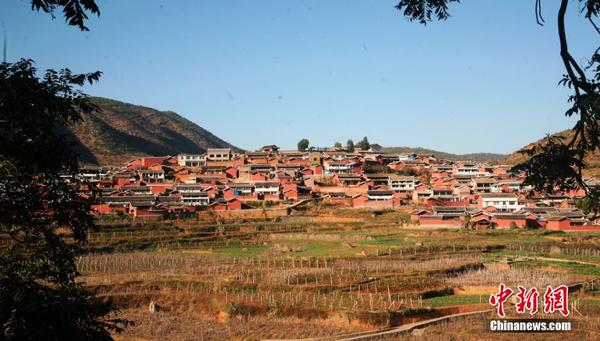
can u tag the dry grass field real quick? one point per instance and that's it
(311, 275)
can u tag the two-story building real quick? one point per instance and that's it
(334, 167)
(267, 188)
(150, 175)
(504, 202)
(191, 160)
(193, 194)
(401, 183)
(218, 154)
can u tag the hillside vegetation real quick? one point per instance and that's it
(490, 157)
(122, 131)
(592, 161)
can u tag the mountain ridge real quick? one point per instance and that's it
(120, 131)
(480, 157)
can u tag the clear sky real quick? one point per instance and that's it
(271, 72)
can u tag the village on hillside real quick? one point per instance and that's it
(434, 192)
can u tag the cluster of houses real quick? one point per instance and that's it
(439, 192)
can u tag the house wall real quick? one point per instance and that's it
(247, 197)
(272, 197)
(141, 214)
(505, 223)
(150, 161)
(234, 205)
(106, 208)
(160, 188)
(244, 214)
(535, 223)
(341, 201)
(441, 222)
(581, 228)
(558, 224)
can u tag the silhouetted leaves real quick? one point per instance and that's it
(591, 203)
(423, 10)
(591, 8)
(42, 212)
(555, 163)
(73, 10)
(551, 164)
(30, 111)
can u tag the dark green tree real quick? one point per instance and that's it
(350, 146)
(407, 172)
(558, 163)
(303, 145)
(364, 144)
(591, 203)
(41, 212)
(337, 145)
(43, 219)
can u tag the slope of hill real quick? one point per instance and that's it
(490, 157)
(518, 157)
(592, 160)
(121, 131)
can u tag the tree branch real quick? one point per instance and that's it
(578, 85)
(594, 24)
(538, 13)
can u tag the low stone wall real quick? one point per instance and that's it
(244, 214)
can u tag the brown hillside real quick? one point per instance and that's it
(592, 161)
(121, 131)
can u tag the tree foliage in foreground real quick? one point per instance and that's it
(74, 11)
(556, 163)
(41, 212)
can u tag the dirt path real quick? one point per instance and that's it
(387, 332)
(561, 260)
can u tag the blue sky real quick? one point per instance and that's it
(272, 72)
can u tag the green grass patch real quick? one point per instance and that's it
(443, 301)
(239, 251)
(573, 268)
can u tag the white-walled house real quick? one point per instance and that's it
(218, 154)
(149, 175)
(191, 160)
(400, 183)
(266, 188)
(505, 202)
(193, 194)
(337, 167)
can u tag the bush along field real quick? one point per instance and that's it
(318, 275)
